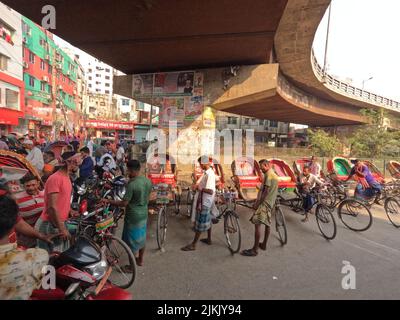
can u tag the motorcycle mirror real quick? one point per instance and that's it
(71, 289)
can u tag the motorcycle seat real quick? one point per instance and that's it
(82, 254)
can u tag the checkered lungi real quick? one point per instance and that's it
(46, 227)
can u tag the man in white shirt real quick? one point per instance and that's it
(120, 157)
(308, 181)
(315, 167)
(35, 156)
(206, 188)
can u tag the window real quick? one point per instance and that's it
(108, 70)
(12, 99)
(42, 65)
(31, 81)
(107, 85)
(90, 78)
(89, 70)
(26, 28)
(42, 42)
(125, 102)
(90, 85)
(50, 68)
(107, 91)
(3, 62)
(273, 124)
(7, 32)
(63, 79)
(246, 120)
(107, 77)
(49, 89)
(98, 76)
(232, 120)
(31, 57)
(43, 86)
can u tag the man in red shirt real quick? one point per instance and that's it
(57, 204)
(30, 203)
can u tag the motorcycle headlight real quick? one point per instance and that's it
(98, 270)
(121, 193)
(81, 190)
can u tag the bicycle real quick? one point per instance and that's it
(354, 213)
(325, 220)
(280, 221)
(225, 202)
(99, 226)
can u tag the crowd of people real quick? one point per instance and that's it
(35, 219)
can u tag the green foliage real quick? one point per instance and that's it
(323, 143)
(374, 139)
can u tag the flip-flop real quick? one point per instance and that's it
(249, 253)
(206, 242)
(188, 248)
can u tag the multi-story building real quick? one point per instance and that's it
(11, 71)
(50, 77)
(272, 132)
(99, 77)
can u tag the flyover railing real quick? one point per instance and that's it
(350, 91)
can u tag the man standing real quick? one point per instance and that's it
(50, 163)
(31, 204)
(136, 202)
(57, 198)
(35, 156)
(205, 203)
(120, 157)
(263, 207)
(315, 167)
(87, 166)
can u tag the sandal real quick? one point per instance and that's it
(188, 248)
(206, 241)
(249, 253)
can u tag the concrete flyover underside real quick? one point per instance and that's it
(140, 36)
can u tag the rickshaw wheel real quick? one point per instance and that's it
(392, 209)
(162, 223)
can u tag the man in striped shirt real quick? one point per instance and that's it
(31, 204)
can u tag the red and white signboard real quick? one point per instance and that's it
(103, 124)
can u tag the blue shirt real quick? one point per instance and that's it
(86, 168)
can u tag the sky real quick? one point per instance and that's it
(363, 42)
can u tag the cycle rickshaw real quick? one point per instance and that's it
(163, 174)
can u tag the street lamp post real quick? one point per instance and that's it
(327, 41)
(364, 81)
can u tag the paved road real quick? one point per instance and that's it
(308, 267)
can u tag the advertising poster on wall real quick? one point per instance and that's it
(209, 118)
(172, 110)
(194, 107)
(143, 85)
(173, 84)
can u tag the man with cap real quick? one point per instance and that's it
(35, 156)
(57, 197)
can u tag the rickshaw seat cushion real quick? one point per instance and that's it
(167, 178)
(249, 181)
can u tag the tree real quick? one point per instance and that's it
(374, 139)
(323, 143)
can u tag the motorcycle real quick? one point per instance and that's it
(82, 273)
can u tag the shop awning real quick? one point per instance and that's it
(10, 117)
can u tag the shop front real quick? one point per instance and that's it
(110, 129)
(9, 119)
